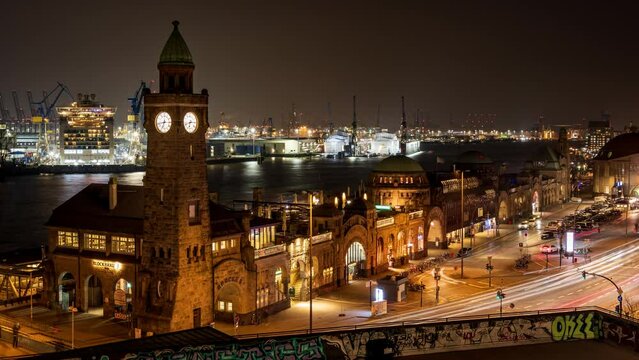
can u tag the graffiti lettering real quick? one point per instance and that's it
(581, 326)
(304, 349)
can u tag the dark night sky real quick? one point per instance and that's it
(566, 59)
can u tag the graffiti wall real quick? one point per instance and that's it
(398, 341)
(578, 326)
(623, 333)
(405, 341)
(294, 348)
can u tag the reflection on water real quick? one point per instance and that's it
(26, 202)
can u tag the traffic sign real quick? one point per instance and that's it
(619, 298)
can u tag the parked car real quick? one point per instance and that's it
(548, 248)
(524, 225)
(547, 235)
(464, 252)
(552, 226)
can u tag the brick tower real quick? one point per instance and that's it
(176, 271)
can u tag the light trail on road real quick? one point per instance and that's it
(563, 289)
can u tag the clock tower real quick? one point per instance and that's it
(175, 285)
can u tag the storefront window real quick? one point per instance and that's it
(123, 244)
(68, 239)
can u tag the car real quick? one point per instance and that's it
(552, 226)
(464, 252)
(548, 248)
(547, 235)
(524, 225)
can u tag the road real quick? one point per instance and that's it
(614, 255)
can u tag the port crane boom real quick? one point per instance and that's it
(43, 110)
(136, 104)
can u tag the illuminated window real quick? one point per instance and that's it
(223, 244)
(232, 243)
(95, 242)
(215, 246)
(123, 244)
(68, 239)
(194, 212)
(221, 305)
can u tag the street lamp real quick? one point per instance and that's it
(73, 310)
(436, 276)
(619, 291)
(310, 255)
(462, 224)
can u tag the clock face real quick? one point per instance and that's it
(163, 122)
(190, 122)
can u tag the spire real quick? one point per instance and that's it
(175, 51)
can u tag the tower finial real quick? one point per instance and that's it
(175, 23)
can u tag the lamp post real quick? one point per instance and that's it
(627, 206)
(31, 289)
(310, 255)
(73, 310)
(436, 276)
(462, 224)
(421, 293)
(619, 291)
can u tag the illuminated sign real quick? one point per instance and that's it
(107, 264)
(570, 242)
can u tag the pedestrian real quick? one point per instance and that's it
(16, 330)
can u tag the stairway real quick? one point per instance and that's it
(298, 290)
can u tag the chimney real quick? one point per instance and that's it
(113, 192)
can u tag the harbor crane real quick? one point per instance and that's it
(16, 102)
(43, 110)
(136, 103)
(134, 135)
(4, 112)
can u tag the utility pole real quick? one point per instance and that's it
(436, 276)
(627, 206)
(462, 224)
(31, 288)
(310, 255)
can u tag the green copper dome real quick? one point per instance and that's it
(175, 51)
(398, 164)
